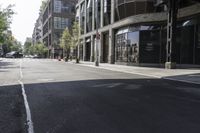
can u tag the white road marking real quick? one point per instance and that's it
(28, 112)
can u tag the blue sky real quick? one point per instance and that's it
(26, 14)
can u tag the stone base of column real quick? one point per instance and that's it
(111, 59)
(84, 58)
(101, 59)
(170, 65)
(77, 60)
(92, 58)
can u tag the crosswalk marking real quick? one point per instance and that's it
(26, 59)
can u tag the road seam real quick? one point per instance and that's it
(28, 112)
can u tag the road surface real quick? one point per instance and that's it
(69, 98)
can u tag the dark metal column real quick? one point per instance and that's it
(171, 34)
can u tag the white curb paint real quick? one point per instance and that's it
(28, 112)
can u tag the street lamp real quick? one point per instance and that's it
(97, 35)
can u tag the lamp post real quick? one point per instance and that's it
(97, 35)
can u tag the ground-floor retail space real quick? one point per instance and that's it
(145, 44)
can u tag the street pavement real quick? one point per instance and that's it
(71, 98)
(189, 75)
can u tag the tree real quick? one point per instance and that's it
(75, 34)
(43, 5)
(66, 43)
(5, 21)
(27, 47)
(75, 37)
(40, 49)
(16, 46)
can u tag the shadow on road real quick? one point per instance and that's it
(194, 78)
(12, 111)
(115, 106)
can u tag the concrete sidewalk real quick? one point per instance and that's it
(182, 75)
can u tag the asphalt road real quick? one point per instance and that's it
(69, 98)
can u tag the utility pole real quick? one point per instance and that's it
(171, 34)
(97, 34)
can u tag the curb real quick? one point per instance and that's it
(147, 75)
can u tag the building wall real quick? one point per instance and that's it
(58, 15)
(116, 14)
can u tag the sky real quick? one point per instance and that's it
(27, 12)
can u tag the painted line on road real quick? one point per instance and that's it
(28, 111)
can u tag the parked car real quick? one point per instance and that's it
(14, 54)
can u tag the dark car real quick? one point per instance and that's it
(14, 54)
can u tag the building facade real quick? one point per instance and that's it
(37, 32)
(57, 15)
(134, 32)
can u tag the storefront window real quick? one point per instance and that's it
(133, 47)
(127, 47)
(121, 48)
(150, 46)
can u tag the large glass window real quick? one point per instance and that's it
(63, 7)
(149, 46)
(57, 6)
(97, 16)
(121, 50)
(107, 12)
(61, 23)
(126, 8)
(66, 7)
(89, 16)
(82, 17)
(133, 47)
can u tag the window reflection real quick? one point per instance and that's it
(61, 23)
(127, 47)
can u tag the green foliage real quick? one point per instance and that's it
(43, 5)
(10, 44)
(7, 42)
(66, 41)
(70, 40)
(75, 34)
(16, 47)
(27, 47)
(5, 21)
(38, 49)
